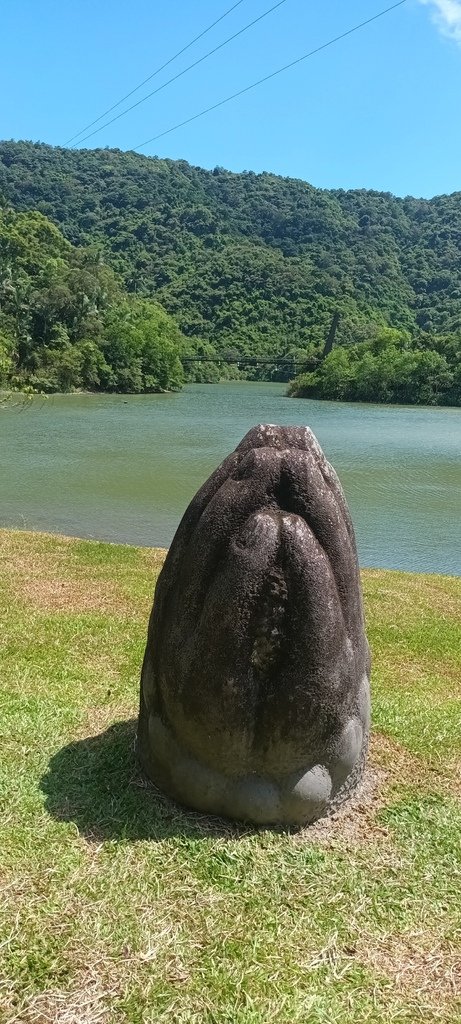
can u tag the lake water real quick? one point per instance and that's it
(123, 468)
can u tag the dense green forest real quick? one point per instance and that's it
(65, 322)
(388, 367)
(216, 263)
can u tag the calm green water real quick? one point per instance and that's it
(124, 468)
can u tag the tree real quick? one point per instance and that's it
(66, 322)
(389, 368)
(247, 262)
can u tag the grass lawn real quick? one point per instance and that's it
(118, 907)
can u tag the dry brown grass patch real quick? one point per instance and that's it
(18, 549)
(437, 678)
(64, 595)
(419, 965)
(154, 557)
(355, 822)
(98, 719)
(45, 572)
(389, 765)
(53, 583)
(399, 767)
(390, 600)
(86, 1002)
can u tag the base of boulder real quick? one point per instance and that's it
(293, 800)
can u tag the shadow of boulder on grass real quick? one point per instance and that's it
(95, 783)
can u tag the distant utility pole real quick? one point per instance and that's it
(331, 335)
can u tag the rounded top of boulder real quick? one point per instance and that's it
(271, 435)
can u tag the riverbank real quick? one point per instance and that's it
(119, 907)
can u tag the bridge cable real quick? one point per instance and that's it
(180, 73)
(267, 78)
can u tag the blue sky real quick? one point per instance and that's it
(380, 109)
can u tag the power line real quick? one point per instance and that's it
(274, 74)
(181, 73)
(156, 72)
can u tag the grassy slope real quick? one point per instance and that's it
(117, 906)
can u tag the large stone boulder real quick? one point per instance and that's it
(255, 683)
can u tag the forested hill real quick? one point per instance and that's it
(66, 322)
(254, 264)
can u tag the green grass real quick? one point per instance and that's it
(118, 907)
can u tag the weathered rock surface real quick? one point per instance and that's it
(255, 682)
